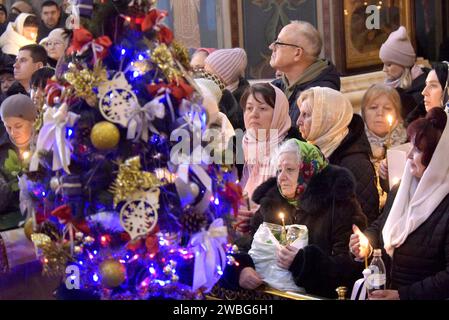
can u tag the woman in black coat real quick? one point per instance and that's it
(320, 196)
(327, 120)
(413, 232)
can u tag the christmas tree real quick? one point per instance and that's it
(108, 198)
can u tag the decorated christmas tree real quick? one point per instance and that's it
(107, 195)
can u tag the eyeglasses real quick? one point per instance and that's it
(56, 44)
(276, 45)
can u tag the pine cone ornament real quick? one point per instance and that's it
(50, 229)
(193, 222)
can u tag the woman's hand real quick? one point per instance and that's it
(383, 169)
(249, 279)
(384, 295)
(286, 255)
(243, 219)
(355, 247)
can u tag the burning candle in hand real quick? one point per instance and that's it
(364, 244)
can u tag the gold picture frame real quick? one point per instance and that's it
(361, 44)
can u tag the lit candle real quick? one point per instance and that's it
(390, 121)
(282, 217)
(364, 243)
(284, 230)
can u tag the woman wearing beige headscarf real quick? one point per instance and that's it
(268, 124)
(327, 121)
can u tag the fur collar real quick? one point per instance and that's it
(333, 183)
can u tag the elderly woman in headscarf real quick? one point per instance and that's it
(268, 125)
(413, 230)
(327, 121)
(21, 32)
(320, 196)
(55, 44)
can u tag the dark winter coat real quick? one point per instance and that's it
(328, 208)
(238, 93)
(328, 78)
(354, 154)
(412, 97)
(231, 108)
(419, 268)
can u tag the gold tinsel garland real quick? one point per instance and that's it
(56, 255)
(85, 80)
(131, 179)
(181, 54)
(163, 58)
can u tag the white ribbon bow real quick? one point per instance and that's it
(53, 137)
(141, 119)
(210, 256)
(25, 202)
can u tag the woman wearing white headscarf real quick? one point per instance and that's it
(327, 121)
(413, 231)
(21, 32)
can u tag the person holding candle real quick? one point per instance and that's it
(18, 114)
(306, 191)
(413, 230)
(21, 32)
(327, 120)
(381, 111)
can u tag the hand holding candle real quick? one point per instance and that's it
(359, 245)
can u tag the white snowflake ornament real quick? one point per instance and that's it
(139, 215)
(117, 100)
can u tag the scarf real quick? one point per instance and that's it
(417, 199)
(312, 163)
(398, 136)
(311, 73)
(258, 167)
(416, 71)
(331, 115)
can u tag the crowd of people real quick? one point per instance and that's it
(306, 153)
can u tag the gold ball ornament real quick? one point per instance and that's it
(104, 135)
(113, 273)
(28, 228)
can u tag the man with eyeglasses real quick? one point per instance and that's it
(295, 54)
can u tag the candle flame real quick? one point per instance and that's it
(281, 216)
(26, 155)
(390, 120)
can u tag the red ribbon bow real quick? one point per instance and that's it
(82, 37)
(179, 90)
(64, 215)
(154, 20)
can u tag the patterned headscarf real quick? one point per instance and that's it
(312, 163)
